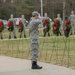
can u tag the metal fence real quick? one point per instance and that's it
(55, 50)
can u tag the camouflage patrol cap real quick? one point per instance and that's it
(35, 13)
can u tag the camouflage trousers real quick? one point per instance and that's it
(34, 49)
(14, 33)
(72, 31)
(45, 32)
(22, 33)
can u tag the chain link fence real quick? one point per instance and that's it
(54, 49)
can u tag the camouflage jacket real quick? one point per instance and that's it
(33, 29)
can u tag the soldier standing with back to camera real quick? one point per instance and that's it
(11, 26)
(35, 21)
(72, 19)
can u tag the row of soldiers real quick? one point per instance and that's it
(12, 26)
(57, 26)
(68, 28)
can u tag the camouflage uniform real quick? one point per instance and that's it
(1, 32)
(72, 19)
(14, 31)
(34, 38)
(46, 28)
(35, 21)
(24, 28)
(59, 19)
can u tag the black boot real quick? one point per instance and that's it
(71, 33)
(15, 37)
(9, 37)
(35, 66)
(1, 37)
(48, 34)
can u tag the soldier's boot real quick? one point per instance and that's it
(48, 34)
(15, 37)
(35, 66)
(9, 37)
(24, 36)
(1, 37)
(71, 33)
(60, 34)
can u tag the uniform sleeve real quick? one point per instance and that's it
(60, 21)
(38, 21)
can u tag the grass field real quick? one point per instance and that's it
(56, 50)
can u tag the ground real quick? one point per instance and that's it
(14, 66)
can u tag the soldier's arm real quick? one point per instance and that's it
(14, 22)
(38, 21)
(61, 21)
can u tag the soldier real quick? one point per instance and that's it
(46, 25)
(67, 27)
(1, 28)
(22, 27)
(72, 19)
(35, 21)
(59, 19)
(11, 26)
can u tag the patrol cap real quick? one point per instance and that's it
(35, 13)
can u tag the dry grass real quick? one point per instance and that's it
(55, 50)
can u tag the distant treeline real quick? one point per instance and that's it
(19, 7)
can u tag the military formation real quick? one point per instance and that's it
(35, 20)
(57, 27)
(11, 27)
